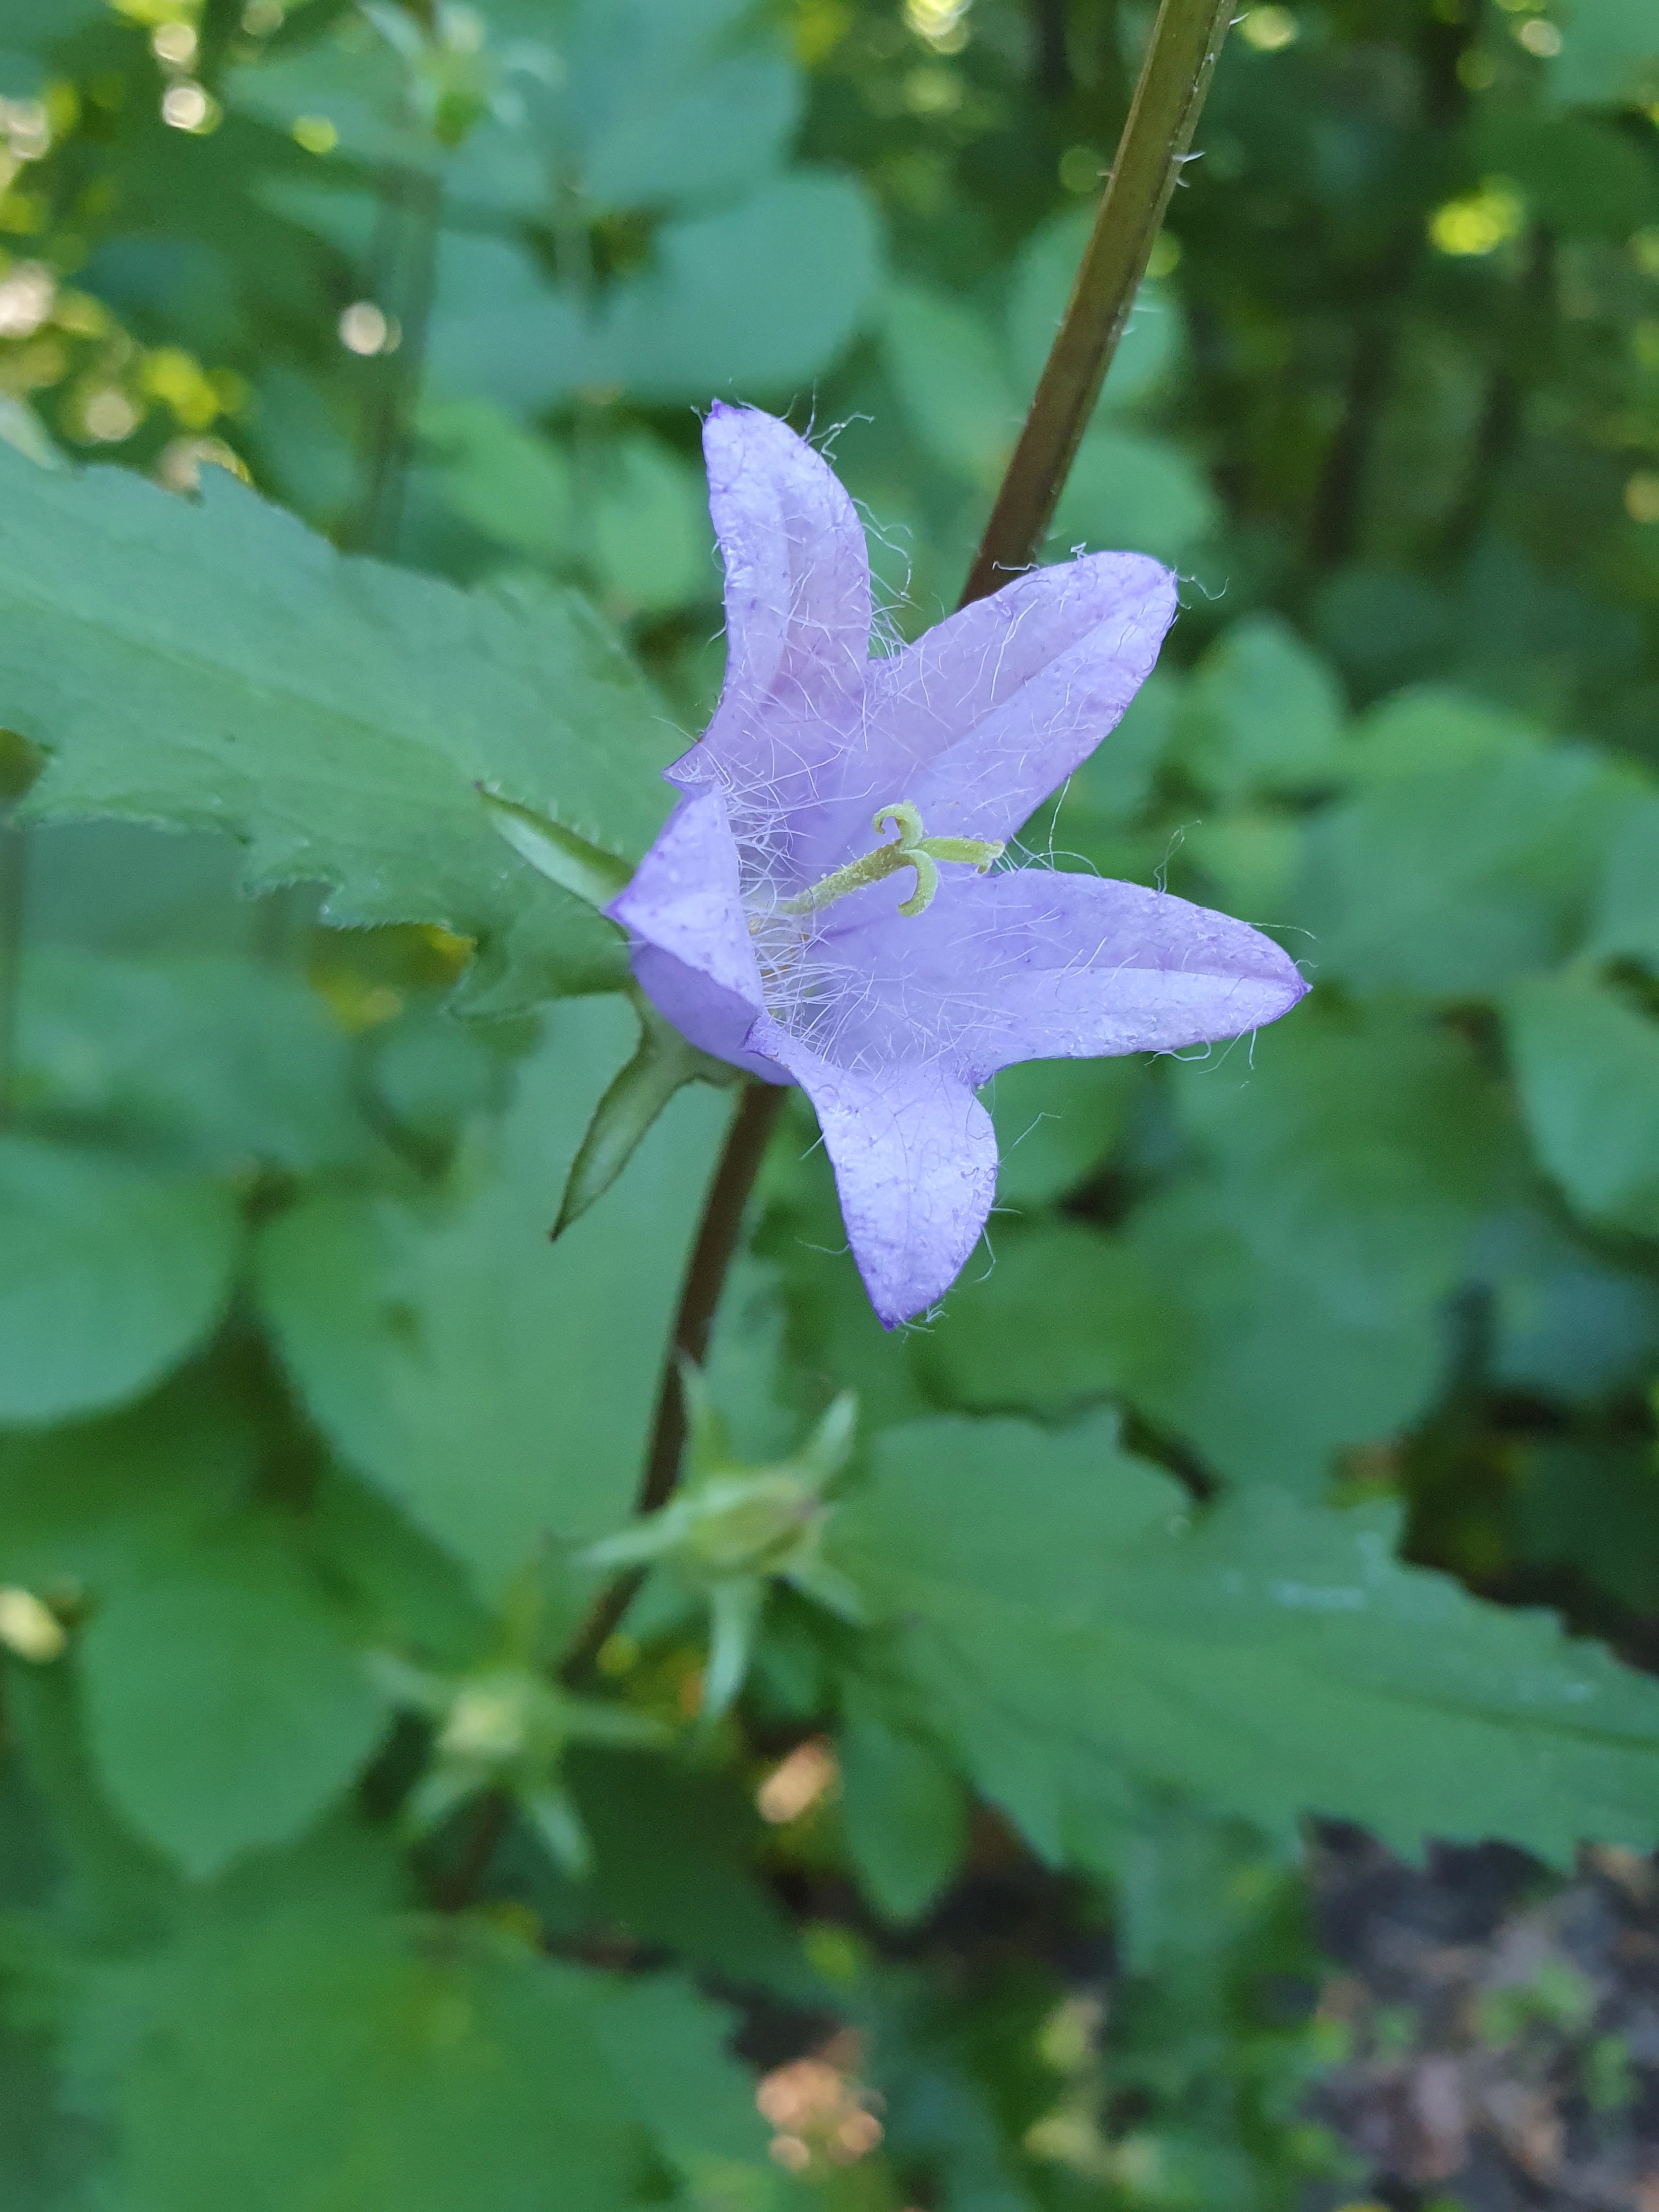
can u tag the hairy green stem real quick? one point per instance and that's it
(1174, 80)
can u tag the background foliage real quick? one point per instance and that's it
(1288, 1455)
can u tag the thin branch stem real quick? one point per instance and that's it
(705, 1279)
(1174, 80)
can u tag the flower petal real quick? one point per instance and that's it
(797, 609)
(993, 709)
(915, 1162)
(1033, 963)
(693, 956)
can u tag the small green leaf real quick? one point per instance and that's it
(227, 1709)
(903, 1811)
(664, 1064)
(112, 1277)
(1588, 1067)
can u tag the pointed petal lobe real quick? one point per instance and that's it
(797, 603)
(1033, 963)
(915, 1162)
(993, 709)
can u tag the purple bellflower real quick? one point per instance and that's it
(824, 905)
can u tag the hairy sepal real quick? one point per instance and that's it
(662, 1064)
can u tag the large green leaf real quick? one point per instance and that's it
(1453, 877)
(214, 665)
(302, 2052)
(111, 1277)
(501, 1386)
(226, 1708)
(1079, 1631)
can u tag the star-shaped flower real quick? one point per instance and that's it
(823, 905)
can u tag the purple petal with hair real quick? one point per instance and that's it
(779, 929)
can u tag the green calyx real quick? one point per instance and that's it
(911, 849)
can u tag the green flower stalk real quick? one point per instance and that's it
(731, 1531)
(504, 1728)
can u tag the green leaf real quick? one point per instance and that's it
(1057, 1121)
(903, 1814)
(663, 1064)
(1587, 1068)
(314, 2055)
(214, 1061)
(1133, 494)
(213, 665)
(1609, 53)
(1625, 924)
(1075, 1630)
(1454, 880)
(948, 371)
(662, 101)
(112, 1277)
(1064, 1316)
(750, 300)
(499, 1386)
(1262, 714)
(227, 1710)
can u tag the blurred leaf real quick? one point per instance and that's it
(500, 1388)
(625, 508)
(1137, 1643)
(656, 102)
(654, 546)
(1056, 1122)
(227, 1710)
(224, 1062)
(1132, 494)
(112, 1277)
(213, 665)
(1626, 917)
(1261, 714)
(1454, 880)
(1587, 1068)
(1063, 1315)
(314, 2053)
(904, 1814)
(1579, 175)
(1609, 53)
(512, 485)
(948, 372)
(750, 301)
